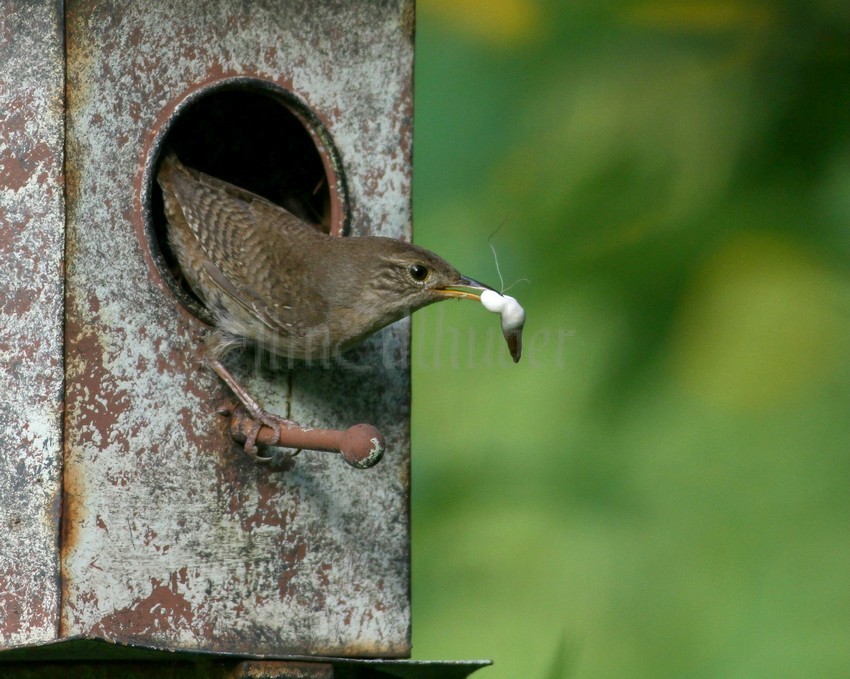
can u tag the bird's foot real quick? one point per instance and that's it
(274, 422)
(259, 415)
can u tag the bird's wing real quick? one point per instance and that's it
(250, 248)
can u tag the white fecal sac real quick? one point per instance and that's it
(513, 315)
(513, 318)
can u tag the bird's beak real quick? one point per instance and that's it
(456, 291)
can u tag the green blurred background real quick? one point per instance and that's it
(661, 487)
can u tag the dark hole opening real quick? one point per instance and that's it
(254, 137)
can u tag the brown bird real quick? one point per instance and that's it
(268, 277)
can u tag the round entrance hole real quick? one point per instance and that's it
(260, 138)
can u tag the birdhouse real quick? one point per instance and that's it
(133, 522)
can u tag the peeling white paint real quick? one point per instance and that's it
(31, 243)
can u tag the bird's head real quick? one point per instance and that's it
(402, 277)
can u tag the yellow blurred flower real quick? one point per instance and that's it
(504, 23)
(762, 324)
(701, 15)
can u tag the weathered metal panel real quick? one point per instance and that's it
(173, 536)
(31, 244)
(96, 657)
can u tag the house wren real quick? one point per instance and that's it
(272, 279)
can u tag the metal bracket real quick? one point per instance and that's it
(361, 446)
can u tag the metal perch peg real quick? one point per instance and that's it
(361, 446)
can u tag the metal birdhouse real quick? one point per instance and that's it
(134, 524)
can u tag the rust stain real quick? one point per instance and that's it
(19, 168)
(98, 401)
(20, 615)
(73, 513)
(268, 510)
(31, 220)
(291, 559)
(265, 669)
(10, 604)
(163, 609)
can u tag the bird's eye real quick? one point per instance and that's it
(418, 272)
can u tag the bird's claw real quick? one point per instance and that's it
(264, 418)
(251, 440)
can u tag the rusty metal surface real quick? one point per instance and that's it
(173, 536)
(92, 657)
(96, 657)
(31, 244)
(179, 668)
(282, 669)
(338, 668)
